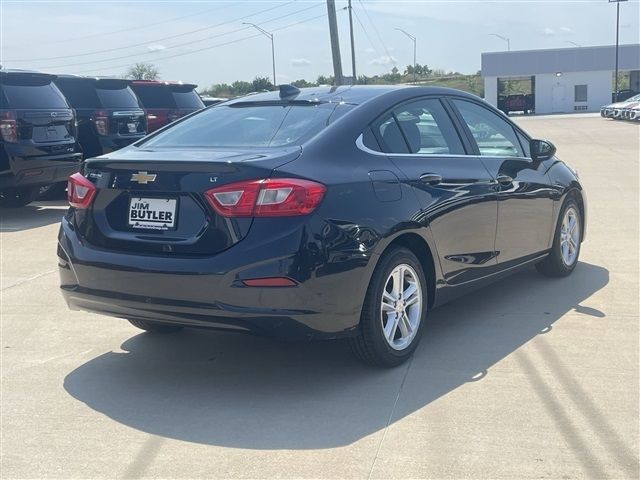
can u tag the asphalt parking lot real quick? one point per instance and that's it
(528, 378)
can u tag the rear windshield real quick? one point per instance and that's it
(248, 126)
(155, 97)
(32, 96)
(187, 100)
(117, 98)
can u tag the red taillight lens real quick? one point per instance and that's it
(80, 191)
(282, 197)
(8, 126)
(100, 119)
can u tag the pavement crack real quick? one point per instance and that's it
(393, 410)
(27, 280)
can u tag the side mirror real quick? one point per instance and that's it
(542, 149)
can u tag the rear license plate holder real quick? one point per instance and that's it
(148, 213)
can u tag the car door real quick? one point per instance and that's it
(455, 191)
(525, 197)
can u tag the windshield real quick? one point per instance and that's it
(250, 125)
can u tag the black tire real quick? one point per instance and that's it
(554, 265)
(370, 345)
(154, 327)
(18, 197)
(56, 191)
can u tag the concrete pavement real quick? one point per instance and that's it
(528, 378)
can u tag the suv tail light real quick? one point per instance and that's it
(100, 119)
(280, 197)
(80, 191)
(8, 126)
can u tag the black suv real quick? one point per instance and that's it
(37, 136)
(109, 113)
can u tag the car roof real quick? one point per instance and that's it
(354, 94)
(167, 83)
(15, 72)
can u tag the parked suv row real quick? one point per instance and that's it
(628, 109)
(48, 123)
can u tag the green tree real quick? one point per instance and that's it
(143, 71)
(261, 83)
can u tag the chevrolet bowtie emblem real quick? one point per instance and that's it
(143, 177)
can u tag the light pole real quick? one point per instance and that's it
(573, 43)
(413, 39)
(273, 51)
(617, 2)
(503, 38)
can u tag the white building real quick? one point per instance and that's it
(564, 79)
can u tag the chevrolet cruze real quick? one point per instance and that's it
(319, 213)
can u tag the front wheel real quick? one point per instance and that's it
(563, 257)
(393, 312)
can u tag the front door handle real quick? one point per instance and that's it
(430, 178)
(504, 179)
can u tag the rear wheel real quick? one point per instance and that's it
(154, 327)
(18, 196)
(564, 254)
(393, 312)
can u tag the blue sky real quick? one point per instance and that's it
(205, 42)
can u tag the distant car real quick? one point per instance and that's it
(37, 136)
(318, 213)
(165, 102)
(634, 113)
(614, 110)
(109, 113)
(518, 103)
(208, 101)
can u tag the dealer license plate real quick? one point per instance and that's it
(152, 213)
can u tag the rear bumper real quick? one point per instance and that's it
(208, 291)
(45, 170)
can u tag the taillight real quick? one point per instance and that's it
(100, 120)
(8, 126)
(278, 197)
(80, 191)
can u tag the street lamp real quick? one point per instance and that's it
(503, 38)
(573, 43)
(273, 51)
(617, 2)
(413, 39)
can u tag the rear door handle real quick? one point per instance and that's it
(430, 178)
(504, 179)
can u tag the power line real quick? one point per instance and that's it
(209, 47)
(366, 34)
(184, 44)
(375, 29)
(113, 32)
(95, 52)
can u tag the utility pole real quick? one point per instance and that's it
(353, 47)
(335, 43)
(617, 2)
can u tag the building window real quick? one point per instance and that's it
(580, 93)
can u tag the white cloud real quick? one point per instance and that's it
(300, 62)
(156, 48)
(384, 60)
(566, 30)
(549, 31)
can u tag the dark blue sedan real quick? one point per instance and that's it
(318, 214)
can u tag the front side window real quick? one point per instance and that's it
(247, 125)
(421, 127)
(494, 136)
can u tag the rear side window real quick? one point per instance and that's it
(421, 127)
(117, 98)
(494, 136)
(155, 97)
(247, 126)
(187, 100)
(33, 96)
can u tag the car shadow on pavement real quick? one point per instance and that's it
(246, 392)
(34, 215)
